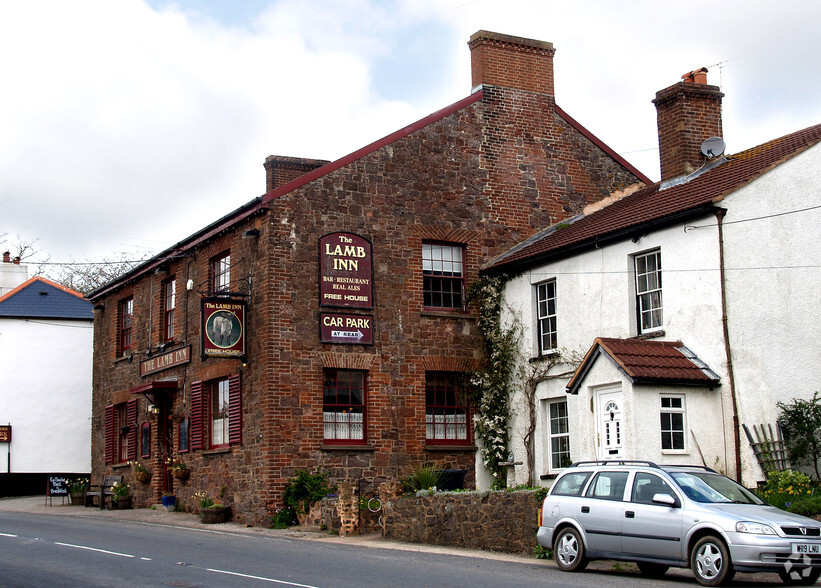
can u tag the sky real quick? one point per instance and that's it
(127, 125)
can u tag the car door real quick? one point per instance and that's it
(601, 511)
(648, 528)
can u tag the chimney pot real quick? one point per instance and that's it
(7, 257)
(697, 76)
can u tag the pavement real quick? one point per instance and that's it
(158, 515)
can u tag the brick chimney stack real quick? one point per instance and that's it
(279, 169)
(688, 113)
(511, 62)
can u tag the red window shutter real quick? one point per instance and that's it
(196, 415)
(110, 437)
(133, 431)
(234, 409)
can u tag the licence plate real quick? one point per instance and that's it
(809, 548)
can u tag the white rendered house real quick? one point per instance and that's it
(45, 400)
(657, 327)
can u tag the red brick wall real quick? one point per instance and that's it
(687, 114)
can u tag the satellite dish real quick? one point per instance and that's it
(713, 147)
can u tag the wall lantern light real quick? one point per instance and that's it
(251, 234)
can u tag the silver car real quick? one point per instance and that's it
(682, 516)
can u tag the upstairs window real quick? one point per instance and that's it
(446, 408)
(126, 319)
(343, 408)
(443, 275)
(648, 291)
(546, 316)
(221, 273)
(169, 289)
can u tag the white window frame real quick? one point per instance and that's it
(544, 318)
(668, 428)
(649, 301)
(557, 433)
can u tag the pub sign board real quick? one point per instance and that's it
(356, 329)
(165, 361)
(5, 433)
(223, 327)
(345, 271)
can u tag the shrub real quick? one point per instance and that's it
(284, 518)
(540, 552)
(808, 507)
(785, 487)
(425, 478)
(306, 489)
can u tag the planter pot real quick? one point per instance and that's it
(214, 514)
(170, 503)
(181, 474)
(123, 502)
(78, 499)
(144, 477)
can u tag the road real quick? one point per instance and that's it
(45, 550)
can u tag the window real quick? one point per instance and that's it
(672, 423)
(216, 413)
(121, 432)
(608, 485)
(446, 408)
(126, 320)
(344, 406)
(570, 484)
(559, 435)
(145, 440)
(546, 316)
(645, 486)
(182, 438)
(443, 275)
(221, 273)
(169, 290)
(648, 291)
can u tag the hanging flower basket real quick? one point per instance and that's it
(142, 476)
(181, 473)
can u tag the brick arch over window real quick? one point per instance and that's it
(447, 363)
(347, 361)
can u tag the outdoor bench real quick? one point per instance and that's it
(102, 491)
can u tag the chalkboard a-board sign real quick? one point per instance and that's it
(57, 486)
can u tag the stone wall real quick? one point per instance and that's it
(495, 521)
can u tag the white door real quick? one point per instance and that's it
(610, 426)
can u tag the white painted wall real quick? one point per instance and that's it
(773, 285)
(46, 395)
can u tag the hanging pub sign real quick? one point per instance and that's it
(346, 328)
(223, 327)
(5, 433)
(345, 271)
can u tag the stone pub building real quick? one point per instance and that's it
(324, 324)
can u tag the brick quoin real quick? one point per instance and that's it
(484, 173)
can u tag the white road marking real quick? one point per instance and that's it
(261, 578)
(7, 535)
(95, 549)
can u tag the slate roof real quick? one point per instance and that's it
(42, 298)
(660, 204)
(648, 362)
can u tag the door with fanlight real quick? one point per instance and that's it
(610, 425)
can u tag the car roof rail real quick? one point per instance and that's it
(616, 462)
(692, 466)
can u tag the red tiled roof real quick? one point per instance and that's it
(652, 204)
(648, 362)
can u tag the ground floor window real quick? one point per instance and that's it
(216, 413)
(145, 439)
(559, 435)
(343, 408)
(672, 423)
(121, 432)
(446, 408)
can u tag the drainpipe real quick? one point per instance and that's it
(727, 352)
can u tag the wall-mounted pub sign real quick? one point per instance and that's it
(345, 271)
(223, 327)
(346, 328)
(165, 361)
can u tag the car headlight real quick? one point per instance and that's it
(754, 528)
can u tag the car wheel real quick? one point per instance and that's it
(803, 577)
(710, 562)
(652, 570)
(568, 550)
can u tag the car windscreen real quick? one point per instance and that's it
(709, 487)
